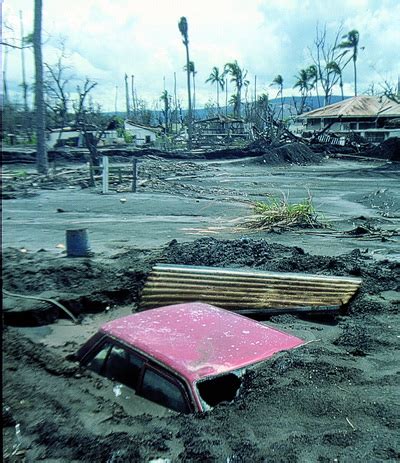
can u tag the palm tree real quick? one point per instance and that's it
(350, 42)
(334, 68)
(234, 101)
(166, 99)
(193, 72)
(40, 117)
(183, 29)
(303, 84)
(279, 81)
(238, 77)
(262, 112)
(217, 78)
(313, 78)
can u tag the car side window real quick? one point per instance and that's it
(117, 364)
(97, 362)
(163, 391)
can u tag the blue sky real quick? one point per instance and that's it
(106, 38)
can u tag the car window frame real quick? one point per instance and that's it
(148, 362)
(98, 346)
(174, 379)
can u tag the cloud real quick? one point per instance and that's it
(108, 38)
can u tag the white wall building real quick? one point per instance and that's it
(142, 135)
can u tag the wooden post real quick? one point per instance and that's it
(134, 174)
(105, 174)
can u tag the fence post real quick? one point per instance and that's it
(105, 174)
(134, 174)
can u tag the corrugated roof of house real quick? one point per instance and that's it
(218, 118)
(141, 126)
(358, 106)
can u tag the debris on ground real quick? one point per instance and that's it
(247, 292)
(372, 233)
(389, 149)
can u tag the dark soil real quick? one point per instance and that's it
(292, 153)
(86, 285)
(389, 149)
(334, 399)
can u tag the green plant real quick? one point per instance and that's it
(279, 212)
(128, 137)
(20, 174)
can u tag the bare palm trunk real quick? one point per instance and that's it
(239, 103)
(226, 97)
(24, 84)
(194, 97)
(189, 98)
(355, 77)
(133, 95)
(175, 105)
(41, 151)
(217, 97)
(5, 88)
(128, 112)
(341, 87)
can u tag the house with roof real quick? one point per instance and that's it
(74, 136)
(142, 135)
(374, 118)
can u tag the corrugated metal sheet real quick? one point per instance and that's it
(246, 291)
(359, 106)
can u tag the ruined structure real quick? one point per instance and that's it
(374, 118)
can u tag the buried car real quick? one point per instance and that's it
(186, 357)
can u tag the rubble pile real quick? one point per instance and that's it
(291, 153)
(389, 149)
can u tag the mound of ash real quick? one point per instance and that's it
(291, 153)
(88, 285)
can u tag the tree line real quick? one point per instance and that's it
(53, 101)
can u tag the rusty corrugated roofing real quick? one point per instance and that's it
(358, 106)
(246, 290)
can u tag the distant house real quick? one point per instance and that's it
(72, 136)
(219, 129)
(69, 136)
(374, 118)
(142, 135)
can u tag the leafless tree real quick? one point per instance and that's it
(390, 90)
(79, 105)
(323, 54)
(58, 77)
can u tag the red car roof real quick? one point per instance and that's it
(199, 340)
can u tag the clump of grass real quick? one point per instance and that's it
(277, 212)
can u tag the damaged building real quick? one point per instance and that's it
(374, 118)
(219, 130)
